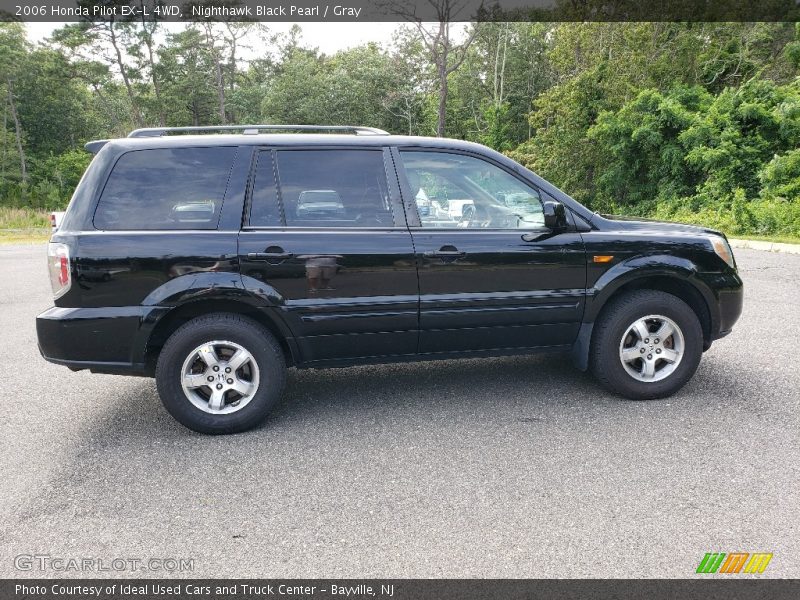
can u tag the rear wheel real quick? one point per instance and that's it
(221, 373)
(646, 345)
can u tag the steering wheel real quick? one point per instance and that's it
(467, 214)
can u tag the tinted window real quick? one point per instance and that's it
(166, 188)
(454, 190)
(264, 207)
(334, 188)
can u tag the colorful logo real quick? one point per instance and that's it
(735, 562)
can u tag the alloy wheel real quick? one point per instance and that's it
(651, 348)
(220, 377)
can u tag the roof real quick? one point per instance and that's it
(292, 139)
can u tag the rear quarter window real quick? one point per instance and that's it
(165, 188)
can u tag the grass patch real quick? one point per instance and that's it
(779, 239)
(24, 236)
(23, 218)
(23, 226)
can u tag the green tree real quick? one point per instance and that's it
(505, 70)
(13, 55)
(55, 107)
(642, 157)
(297, 93)
(187, 74)
(741, 131)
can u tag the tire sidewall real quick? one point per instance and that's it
(621, 318)
(254, 339)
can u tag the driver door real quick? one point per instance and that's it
(482, 286)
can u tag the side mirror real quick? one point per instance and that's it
(555, 216)
(555, 221)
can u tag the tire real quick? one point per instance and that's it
(233, 401)
(624, 364)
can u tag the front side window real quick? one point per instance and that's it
(334, 188)
(455, 191)
(165, 188)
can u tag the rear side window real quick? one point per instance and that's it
(333, 188)
(264, 209)
(165, 188)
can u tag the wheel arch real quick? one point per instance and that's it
(678, 282)
(169, 322)
(682, 288)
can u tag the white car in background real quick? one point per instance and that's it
(455, 208)
(55, 219)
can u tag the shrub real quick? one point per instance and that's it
(780, 178)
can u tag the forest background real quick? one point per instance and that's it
(693, 122)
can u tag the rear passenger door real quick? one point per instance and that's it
(325, 236)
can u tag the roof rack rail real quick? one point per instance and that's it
(254, 129)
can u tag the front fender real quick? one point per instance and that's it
(641, 267)
(629, 271)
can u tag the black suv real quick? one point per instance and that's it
(214, 262)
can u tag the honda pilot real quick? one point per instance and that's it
(215, 258)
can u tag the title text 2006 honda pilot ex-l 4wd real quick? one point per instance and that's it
(215, 261)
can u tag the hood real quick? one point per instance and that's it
(620, 223)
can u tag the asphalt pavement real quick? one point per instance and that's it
(508, 467)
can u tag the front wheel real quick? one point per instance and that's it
(220, 373)
(646, 345)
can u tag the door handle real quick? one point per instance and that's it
(273, 253)
(269, 255)
(445, 252)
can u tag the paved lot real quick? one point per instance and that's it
(512, 467)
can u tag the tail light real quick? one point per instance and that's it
(60, 268)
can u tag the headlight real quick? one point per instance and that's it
(723, 249)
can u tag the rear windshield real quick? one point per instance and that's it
(165, 188)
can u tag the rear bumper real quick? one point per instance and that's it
(111, 368)
(103, 340)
